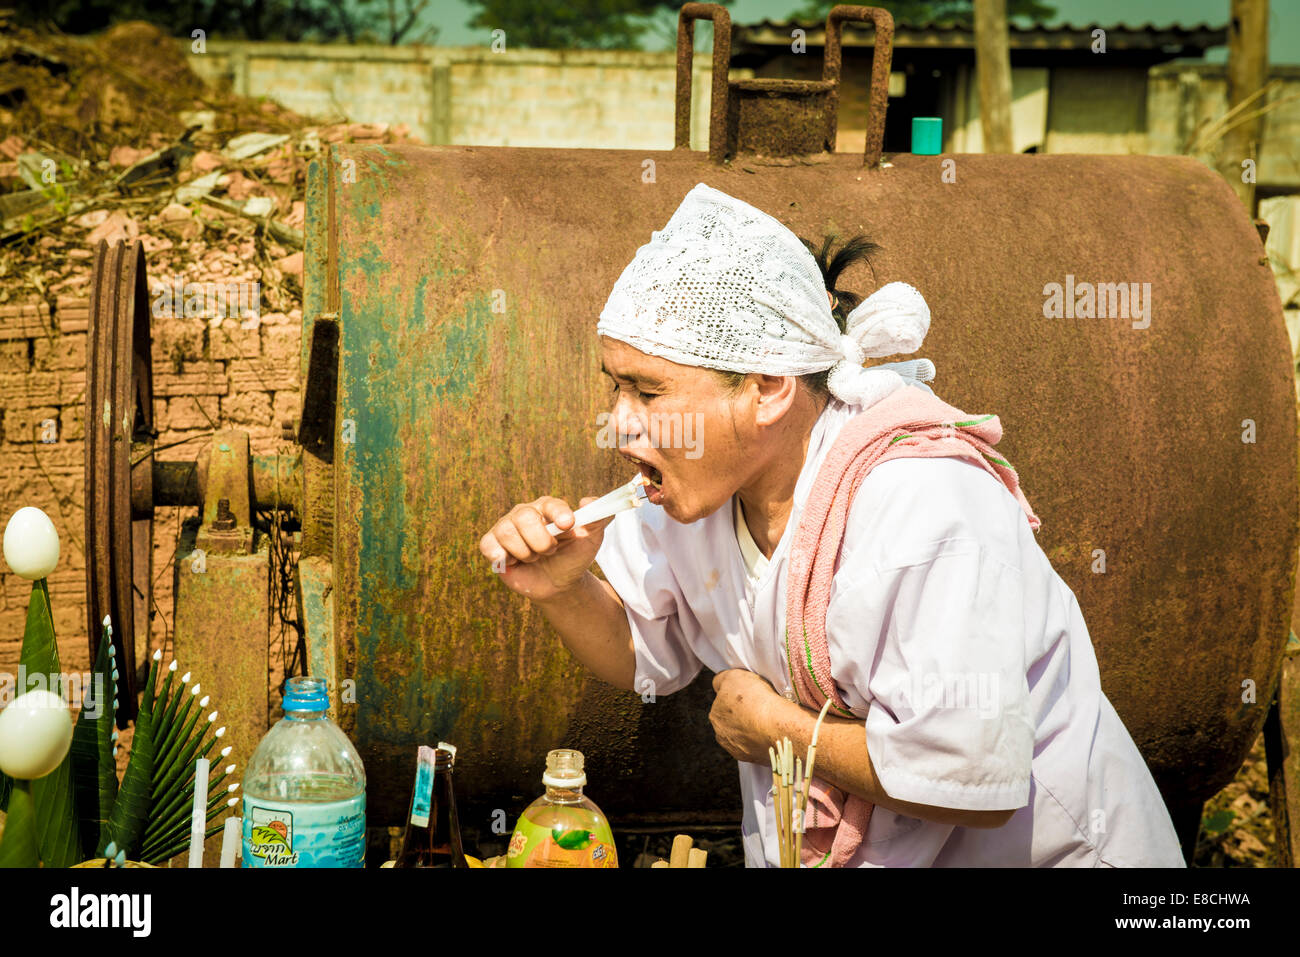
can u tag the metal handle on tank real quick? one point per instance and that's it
(691, 12)
(882, 55)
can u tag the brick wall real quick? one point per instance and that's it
(204, 377)
(42, 386)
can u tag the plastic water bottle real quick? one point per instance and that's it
(305, 789)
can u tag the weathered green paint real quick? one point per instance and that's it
(315, 593)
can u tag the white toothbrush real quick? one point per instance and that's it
(631, 495)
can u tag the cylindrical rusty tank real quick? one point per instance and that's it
(459, 287)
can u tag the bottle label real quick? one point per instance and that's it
(282, 834)
(536, 846)
(422, 801)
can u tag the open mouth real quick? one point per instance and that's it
(652, 475)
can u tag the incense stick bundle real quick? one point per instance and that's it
(791, 782)
(807, 781)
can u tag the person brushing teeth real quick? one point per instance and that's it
(836, 533)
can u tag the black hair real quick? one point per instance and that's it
(854, 250)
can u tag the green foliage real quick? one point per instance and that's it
(18, 843)
(56, 818)
(149, 817)
(931, 11)
(79, 809)
(177, 748)
(130, 811)
(94, 772)
(235, 19)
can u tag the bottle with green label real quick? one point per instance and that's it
(305, 789)
(562, 828)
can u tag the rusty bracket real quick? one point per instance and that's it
(227, 490)
(691, 12)
(882, 56)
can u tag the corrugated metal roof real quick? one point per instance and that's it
(945, 33)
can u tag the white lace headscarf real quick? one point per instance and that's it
(726, 286)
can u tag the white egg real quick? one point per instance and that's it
(31, 544)
(35, 733)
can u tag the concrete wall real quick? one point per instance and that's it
(1029, 111)
(1183, 97)
(1097, 110)
(471, 96)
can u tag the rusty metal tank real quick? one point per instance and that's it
(451, 370)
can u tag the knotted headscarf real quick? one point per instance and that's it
(726, 286)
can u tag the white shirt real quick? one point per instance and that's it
(949, 633)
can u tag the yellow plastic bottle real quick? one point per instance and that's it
(562, 828)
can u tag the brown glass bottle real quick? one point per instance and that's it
(432, 837)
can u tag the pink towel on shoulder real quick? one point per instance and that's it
(909, 423)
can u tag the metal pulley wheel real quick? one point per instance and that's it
(119, 453)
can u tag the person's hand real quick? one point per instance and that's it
(532, 561)
(740, 714)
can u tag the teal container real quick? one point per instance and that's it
(927, 135)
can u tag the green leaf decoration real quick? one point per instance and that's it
(130, 812)
(94, 772)
(175, 823)
(173, 758)
(80, 810)
(168, 853)
(57, 833)
(178, 793)
(182, 766)
(165, 710)
(178, 730)
(18, 846)
(173, 790)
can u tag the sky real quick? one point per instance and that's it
(1284, 19)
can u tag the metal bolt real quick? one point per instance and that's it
(225, 517)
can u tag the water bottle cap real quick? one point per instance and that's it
(564, 769)
(305, 694)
